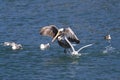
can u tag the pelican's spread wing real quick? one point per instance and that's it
(49, 31)
(71, 35)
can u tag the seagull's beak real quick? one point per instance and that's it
(55, 36)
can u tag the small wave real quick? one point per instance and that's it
(109, 49)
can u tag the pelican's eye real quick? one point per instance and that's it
(60, 32)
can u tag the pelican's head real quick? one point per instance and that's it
(60, 32)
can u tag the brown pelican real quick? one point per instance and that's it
(60, 35)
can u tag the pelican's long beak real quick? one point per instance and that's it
(55, 36)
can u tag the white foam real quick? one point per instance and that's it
(108, 49)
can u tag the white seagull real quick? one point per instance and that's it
(108, 37)
(74, 52)
(14, 45)
(44, 46)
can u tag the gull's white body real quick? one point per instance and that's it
(44, 46)
(13, 45)
(108, 37)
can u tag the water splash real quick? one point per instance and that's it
(109, 48)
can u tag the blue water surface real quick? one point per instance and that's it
(91, 20)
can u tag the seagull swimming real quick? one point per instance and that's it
(14, 45)
(44, 46)
(108, 37)
(59, 34)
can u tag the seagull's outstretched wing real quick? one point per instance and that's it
(68, 32)
(50, 30)
(84, 47)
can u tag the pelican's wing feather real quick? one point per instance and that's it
(71, 35)
(49, 31)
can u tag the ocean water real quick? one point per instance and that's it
(91, 20)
